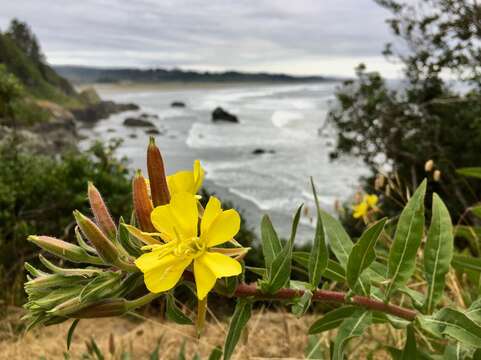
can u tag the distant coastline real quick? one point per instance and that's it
(84, 74)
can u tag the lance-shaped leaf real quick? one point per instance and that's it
(410, 349)
(174, 313)
(319, 253)
(334, 271)
(438, 253)
(242, 314)
(351, 327)
(470, 171)
(462, 262)
(281, 266)
(362, 254)
(452, 323)
(332, 320)
(409, 231)
(271, 245)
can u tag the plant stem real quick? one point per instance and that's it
(251, 290)
(141, 301)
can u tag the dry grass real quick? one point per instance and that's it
(271, 335)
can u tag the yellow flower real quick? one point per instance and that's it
(186, 181)
(367, 203)
(177, 224)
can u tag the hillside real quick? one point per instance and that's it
(80, 74)
(38, 78)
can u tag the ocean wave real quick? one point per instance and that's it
(282, 118)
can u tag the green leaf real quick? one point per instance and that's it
(319, 252)
(71, 331)
(470, 172)
(351, 327)
(174, 313)
(215, 354)
(461, 262)
(417, 298)
(332, 319)
(438, 253)
(336, 237)
(362, 254)
(241, 316)
(301, 304)
(313, 348)
(454, 324)
(409, 232)
(281, 266)
(334, 271)
(271, 245)
(476, 210)
(410, 350)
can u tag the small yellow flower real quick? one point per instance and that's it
(367, 203)
(186, 181)
(177, 224)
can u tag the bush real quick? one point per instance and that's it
(39, 193)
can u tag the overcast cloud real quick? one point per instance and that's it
(299, 37)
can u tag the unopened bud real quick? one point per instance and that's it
(428, 166)
(158, 182)
(437, 175)
(142, 203)
(105, 248)
(357, 197)
(63, 249)
(101, 212)
(102, 308)
(379, 182)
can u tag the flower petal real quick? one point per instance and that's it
(212, 210)
(371, 200)
(225, 226)
(204, 277)
(198, 176)
(182, 181)
(183, 207)
(164, 222)
(162, 274)
(221, 265)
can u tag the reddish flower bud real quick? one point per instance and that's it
(142, 203)
(101, 213)
(158, 182)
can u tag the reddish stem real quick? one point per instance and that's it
(247, 290)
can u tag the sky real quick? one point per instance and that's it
(302, 37)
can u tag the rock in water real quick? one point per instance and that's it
(138, 122)
(220, 114)
(260, 151)
(101, 110)
(178, 104)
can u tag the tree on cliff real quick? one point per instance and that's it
(425, 116)
(25, 39)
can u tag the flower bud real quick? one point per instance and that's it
(102, 308)
(428, 166)
(101, 213)
(158, 182)
(142, 203)
(437, 175)
(64, 249)
(379, 182)
(107, 251)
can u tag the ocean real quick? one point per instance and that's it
(284, 119)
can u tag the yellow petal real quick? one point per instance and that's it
(204, 278)
(212, 210)
(221, 265)
(198, 176)
(164, 273)
(183, 207)
(164, 222)
(182, 181)
(360, 210)
(225, 226)
(371, 200)
(145, 237)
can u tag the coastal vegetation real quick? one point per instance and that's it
(401, 268)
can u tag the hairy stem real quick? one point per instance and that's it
(251, 290)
